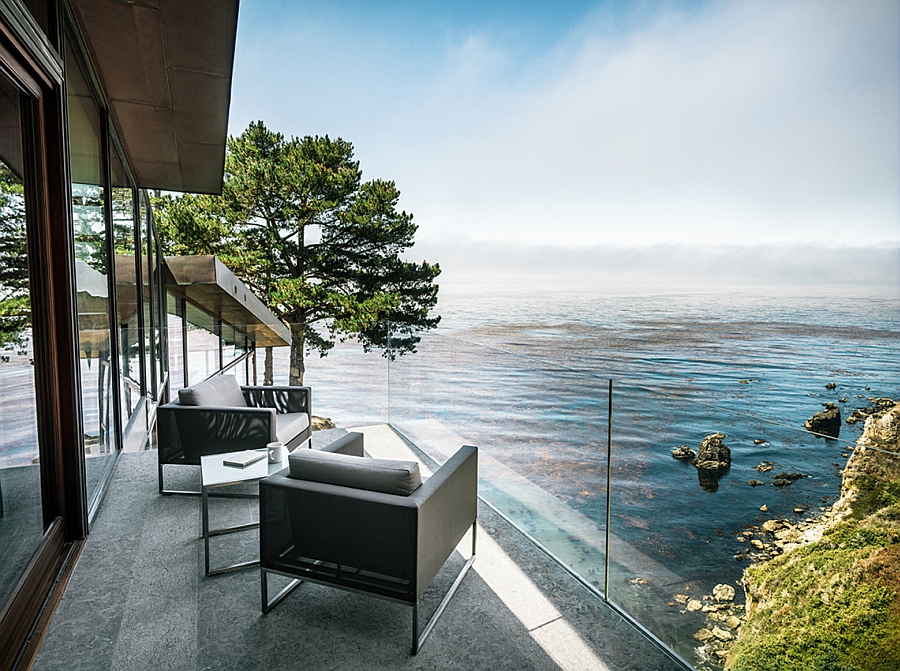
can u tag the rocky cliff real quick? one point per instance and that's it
(831, 602)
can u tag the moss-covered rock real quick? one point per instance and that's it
(834, 604)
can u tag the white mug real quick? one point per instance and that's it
(276, 452)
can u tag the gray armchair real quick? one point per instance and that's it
(366, 525)
(218, 415)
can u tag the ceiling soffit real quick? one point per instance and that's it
(166, 69)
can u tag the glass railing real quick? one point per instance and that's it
(581, 462)
(678, 531)
(542, 434)
(674, 532)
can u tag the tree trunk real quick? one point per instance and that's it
(268, 375)
(297, 366)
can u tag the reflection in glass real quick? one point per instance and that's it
(127, 297)
(203, 345)
(176, 343)
(91, 275)
(21, 523)
(159, 322)
(229, 349)
(148, 342)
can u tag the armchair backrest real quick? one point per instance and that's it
(221, 390)
(387, 544)
(375, 475)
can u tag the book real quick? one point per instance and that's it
(242, 459)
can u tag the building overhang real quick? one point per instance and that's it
(165, 67)
(207, 282)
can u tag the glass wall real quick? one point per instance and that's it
(176, 341)
(148, 343)
(203, 344)
(157, 304)
(21, 522)
(209, 345)
(128, 298)
(92, 269)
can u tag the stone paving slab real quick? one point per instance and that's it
(138, 599)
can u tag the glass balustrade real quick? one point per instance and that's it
(551, 436)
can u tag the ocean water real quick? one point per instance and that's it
(526, 376)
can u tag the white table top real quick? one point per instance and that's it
(216, 474)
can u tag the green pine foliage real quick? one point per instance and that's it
(321, 247)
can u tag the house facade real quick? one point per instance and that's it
(101, 101)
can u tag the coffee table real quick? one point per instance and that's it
(214, 473)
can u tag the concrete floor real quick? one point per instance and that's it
(138, 599)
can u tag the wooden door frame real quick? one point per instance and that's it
(52, 280)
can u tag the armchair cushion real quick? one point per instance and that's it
(290, 425)
(388, 476)
(221, 390)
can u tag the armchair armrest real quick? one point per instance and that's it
(448, 506)
(188, 432)
(283, 398)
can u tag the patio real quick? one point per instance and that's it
(138, 599)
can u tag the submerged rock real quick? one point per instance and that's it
(713, 454)
(827, 422)
(764, 467)
(683, 452)
(755, 483)
(786, 479)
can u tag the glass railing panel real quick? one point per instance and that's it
(677, 531)
(541, 430)
(349, 386)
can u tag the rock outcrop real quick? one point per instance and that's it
(829, 597)
(321, 423)
(827, 422)
(713, 454)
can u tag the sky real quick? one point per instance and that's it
(568, 130)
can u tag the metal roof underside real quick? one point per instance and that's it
(207, 282)
(166, 69)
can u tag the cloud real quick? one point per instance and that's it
(748, 123)
(467, 263)
(742, 122)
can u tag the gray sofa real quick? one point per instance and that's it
(366, 525)
(218, 415)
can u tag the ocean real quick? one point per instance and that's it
(525, 375)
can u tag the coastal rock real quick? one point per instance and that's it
(878, 405)
(785, 479)
(831, 385)
(321, 423)
(827, 422)
(713, 454)
(723, 592)
(683, 452)
(772, 526)
(693, 604)
(721, 634)
(759, 441)
(704, 635)
(732, 622)
(764, 467)
(755, 483)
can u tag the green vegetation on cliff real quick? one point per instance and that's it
(834, 604)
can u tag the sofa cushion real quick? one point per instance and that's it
(221, 390)
(290, 425)
(375, 475)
